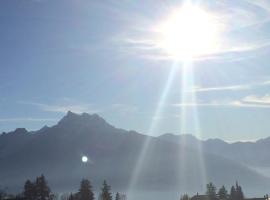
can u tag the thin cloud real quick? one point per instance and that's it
(249, 16)
(262, 4)
(119, 108)
(244, 104)
(224, 88)
(231, 87)
(202, 104)
(236, 104)
(260, 100)
(251, 101)
(77, 108)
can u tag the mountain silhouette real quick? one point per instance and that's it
(167, 164)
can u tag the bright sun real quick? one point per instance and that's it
(188, 33)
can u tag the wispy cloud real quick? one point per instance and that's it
(239, 24)
(222, 88)
(63, 108)
(251, 101)
(244, 104)
(118, 108)
(259, 100)
(231, 87)
(204, 104)
(249, 13)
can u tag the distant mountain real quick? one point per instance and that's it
(253, 154)
(113, 153)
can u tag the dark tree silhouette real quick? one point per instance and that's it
(29, 192)
(211, 191)
(85, 191)
(184, 197)
(39, 190)
(117, 196)
(42, 190)
(71, 197)
(236, 192)
(2, 194)
(239, 192)
(223, 193)
(233, 193)
(105, 192)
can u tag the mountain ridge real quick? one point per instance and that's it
(113, 153)
(72, 116)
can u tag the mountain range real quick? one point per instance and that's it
(169, 164)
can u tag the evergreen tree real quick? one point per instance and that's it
(29, 192)
(233, 193)
(2, 194)
(105, 192)
(239, 192)
(117, 196)
(42, 191)
(184, 197)
(64, 196)
(71, 197)
(85, 191)
(223, 193)
(211, 191)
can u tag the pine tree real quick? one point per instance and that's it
(239, 192)
(223, 193)
(2, 194)
(29, 192)
(184, 197)
(233, 195)
(105, 192)
(71, 197)
(117, 196)
(211, 191)
(85, 191)
(42, 189)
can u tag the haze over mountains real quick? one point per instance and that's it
(253, 154)
(170, 163)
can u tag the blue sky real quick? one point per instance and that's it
(100, 57)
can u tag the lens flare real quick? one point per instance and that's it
(84, 159)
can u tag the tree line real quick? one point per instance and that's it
(236, 193)
(39, 190)
(86, 192)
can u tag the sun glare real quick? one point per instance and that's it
(189, 32)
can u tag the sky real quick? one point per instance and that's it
(102, 57)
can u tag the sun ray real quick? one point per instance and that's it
(190, 97)
(188, 33)
(152, 129)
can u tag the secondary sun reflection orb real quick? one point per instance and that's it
(84, 159)
(189, 32)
